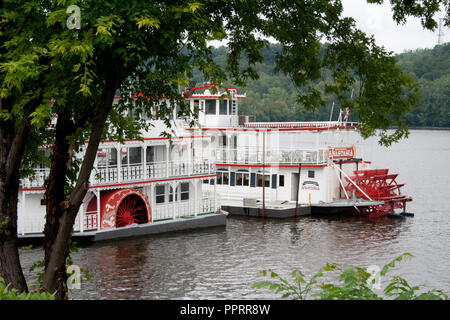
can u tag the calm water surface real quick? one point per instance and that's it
(222, 263)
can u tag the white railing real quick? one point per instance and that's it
(90, 220)
(292, 125)
(138, 172)
(188, 208)
(36, 181)
(131, 173)
(271, 156)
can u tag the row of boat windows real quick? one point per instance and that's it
(130, 155)
(164, 193)
(216, 106)
(247, 179)
(251, 179)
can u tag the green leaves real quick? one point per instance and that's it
(147, 21)
(354, 283)
(12, 294)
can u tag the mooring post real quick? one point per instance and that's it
(298, 187)
(340, 177)
(263, 175)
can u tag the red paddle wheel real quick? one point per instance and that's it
(377, 185)
(130, 211)
(121, 208)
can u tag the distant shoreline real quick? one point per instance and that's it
(424, 128)
(429, 128)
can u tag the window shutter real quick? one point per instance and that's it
(253, 180)
(274, 181)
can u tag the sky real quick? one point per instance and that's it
(377, 20)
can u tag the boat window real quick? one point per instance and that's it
(239, 179)
(160, 193)
(242, 179)
(150, 154)
(226, 178)
(281, 182)
(112, 157)
(210, 106)
(184, 194)
(259, 180)
(135, 155)
(197, 105)
(171, 194)
(245, 180)
(267, 180)
(107, 157)
(223, 178)
(223, 141)
(311, 174)
(223, 107)
(124, 156)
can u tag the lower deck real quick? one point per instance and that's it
(117, 206)
(183, 224)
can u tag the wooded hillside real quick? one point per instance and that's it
(273, 97)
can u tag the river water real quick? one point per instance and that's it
(222, 263)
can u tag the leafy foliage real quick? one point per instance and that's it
(431, 69)
(50, 71)
(11, 294)
(354, 283)
(272, 97)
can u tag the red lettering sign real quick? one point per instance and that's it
(341, 152)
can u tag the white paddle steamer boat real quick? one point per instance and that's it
(290, 168)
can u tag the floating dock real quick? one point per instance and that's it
(342, 206)
(286, 209)
(277, 210)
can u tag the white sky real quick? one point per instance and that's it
(377, 20)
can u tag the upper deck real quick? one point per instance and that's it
(140, 161)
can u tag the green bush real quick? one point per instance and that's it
(354, 284)
(11, 294)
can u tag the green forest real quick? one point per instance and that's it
(273, 97)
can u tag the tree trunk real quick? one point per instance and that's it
(70, 207)
(10, 268)
(54, 196)
(12, 148)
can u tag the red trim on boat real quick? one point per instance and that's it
(271, 166)
(273, 129)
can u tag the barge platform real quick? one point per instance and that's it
(286, 209)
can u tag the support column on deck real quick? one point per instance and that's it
(174, 201)
(167, 159)
(144, 160)
(81, 217)
(98, 209)
(196, 197)
(119, 162)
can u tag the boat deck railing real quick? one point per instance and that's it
(132, 173)
(271, 156)
(300, 125)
